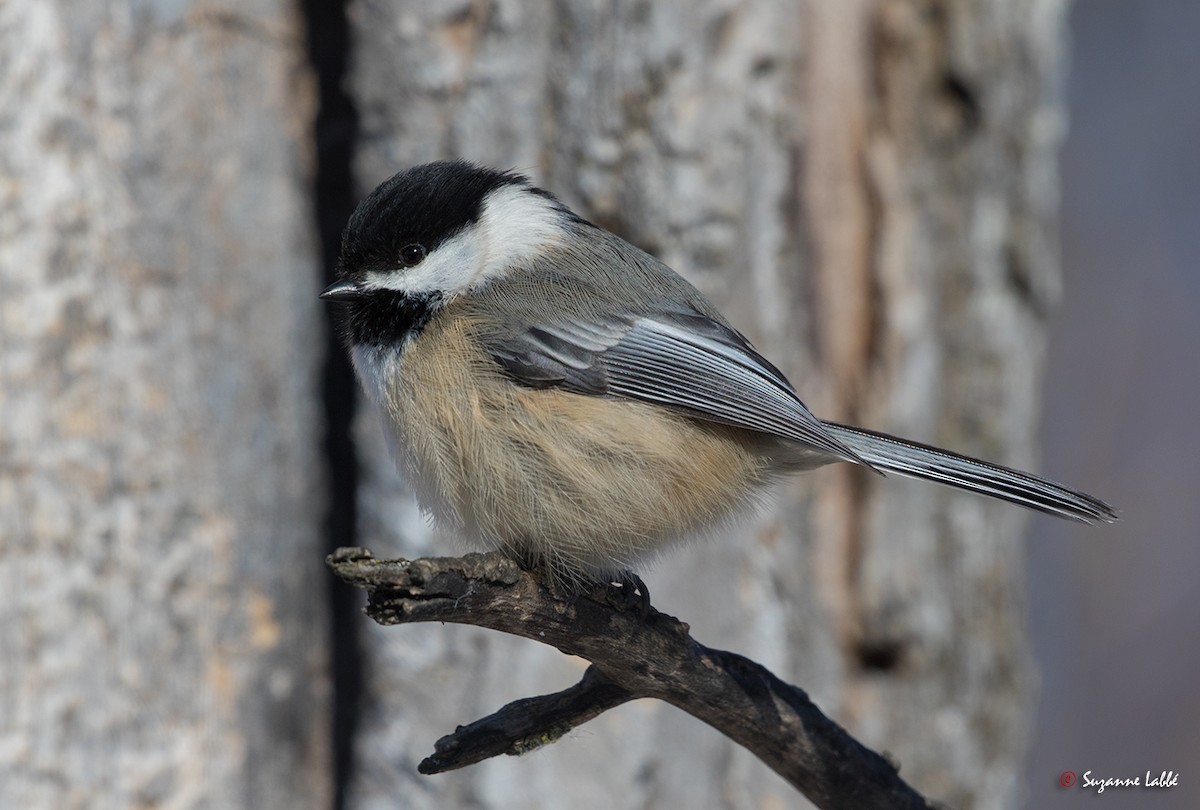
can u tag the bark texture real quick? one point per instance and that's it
(867, 188)
(160, 483)
(633, 654)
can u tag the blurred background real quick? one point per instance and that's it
(1114, 622)
(973, 223)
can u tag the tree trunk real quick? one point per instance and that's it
(867, 188)
(160, 479)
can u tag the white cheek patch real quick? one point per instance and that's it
(448, 269)
(514, 227)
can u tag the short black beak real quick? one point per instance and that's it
(343, 290)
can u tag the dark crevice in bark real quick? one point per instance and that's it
(879, 656)
(335, 135)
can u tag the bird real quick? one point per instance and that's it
(553, 392)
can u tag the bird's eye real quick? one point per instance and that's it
(412, 255)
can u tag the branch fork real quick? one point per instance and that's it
(631, 657)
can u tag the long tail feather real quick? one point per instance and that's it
(933, 464)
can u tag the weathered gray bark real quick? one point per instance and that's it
(867, 188)
(633, 654)
(161, 623)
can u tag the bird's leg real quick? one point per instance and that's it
(626, 592)
(630, 592)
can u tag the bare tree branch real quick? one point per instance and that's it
(631, 658)
(526, 724)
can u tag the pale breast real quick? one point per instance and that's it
(589, 484)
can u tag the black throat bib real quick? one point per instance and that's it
(391, 318)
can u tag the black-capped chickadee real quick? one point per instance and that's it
(554, 392)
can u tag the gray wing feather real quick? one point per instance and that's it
(685, 361)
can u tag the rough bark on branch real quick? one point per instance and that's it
(631, 658)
